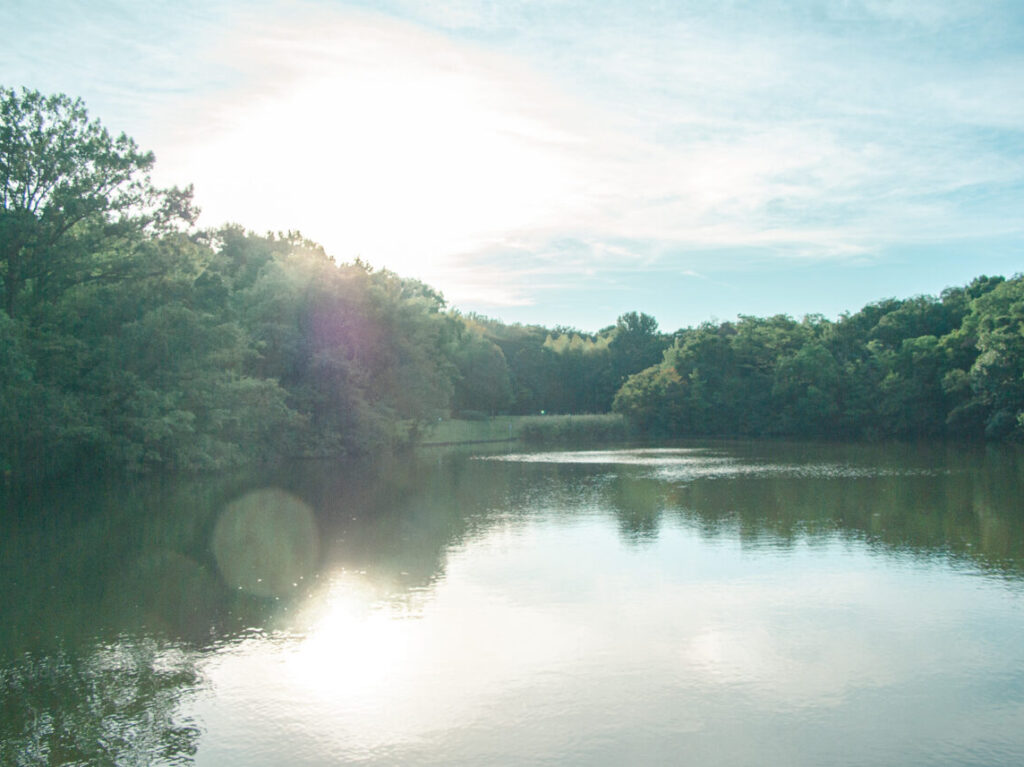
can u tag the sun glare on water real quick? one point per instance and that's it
(350, 646)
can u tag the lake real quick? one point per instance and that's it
(715, 603)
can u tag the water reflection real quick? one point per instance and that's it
(120, 703)
(928, 501)
(619, 606)
(266, 543)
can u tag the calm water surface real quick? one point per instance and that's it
(713, 604)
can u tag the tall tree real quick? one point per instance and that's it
(635, 346)
(67, 190)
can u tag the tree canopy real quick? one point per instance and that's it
(948, 366)
(70, 192)
(128, 337)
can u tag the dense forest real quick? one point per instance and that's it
(924, 367)
(131, 338)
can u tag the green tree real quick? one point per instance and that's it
(997, 375)
(653, 400)
(804, 392)
(635, 345)
(912, 400)
(483, 382)
(69, 191)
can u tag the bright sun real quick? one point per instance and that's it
(384, 146)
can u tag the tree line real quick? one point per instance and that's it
(950, 366)
(129, 337)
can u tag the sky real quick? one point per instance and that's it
(562, 162)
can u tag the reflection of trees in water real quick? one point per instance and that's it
(111, 566)
(117, 705)
(116, 560)
(395, 520)
(965, 506)
(923, 500)
(94, 562)
(638, 506)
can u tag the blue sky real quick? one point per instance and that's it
(563, 162)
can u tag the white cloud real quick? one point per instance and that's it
(587, 146)
(381, 140)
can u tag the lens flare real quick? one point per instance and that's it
(265, 542)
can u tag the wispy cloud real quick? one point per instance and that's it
(503, 150)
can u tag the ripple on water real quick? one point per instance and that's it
(684, 464)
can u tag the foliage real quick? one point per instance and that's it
(920, 367)
(564, 370)
(483, 384)
(73, 199)
(129, 338)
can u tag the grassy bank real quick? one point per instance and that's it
(531, 429)
(456, 431)
(572, 429)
